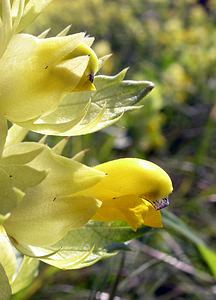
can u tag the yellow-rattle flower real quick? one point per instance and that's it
(39, 72)
(133, 190)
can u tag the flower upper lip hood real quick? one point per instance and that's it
(39, 72)
(132, 190)
(132, 176)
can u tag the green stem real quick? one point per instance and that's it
(206, 139)
(118, 277)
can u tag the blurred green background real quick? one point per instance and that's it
(173, 44)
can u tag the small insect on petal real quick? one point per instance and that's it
(161, 203)
(91, 77)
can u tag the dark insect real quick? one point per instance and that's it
(91, 77)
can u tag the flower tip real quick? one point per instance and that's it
(151, 86)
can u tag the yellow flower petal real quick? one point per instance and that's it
(132, 209)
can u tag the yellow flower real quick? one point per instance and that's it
(133, 190)
(38, 72)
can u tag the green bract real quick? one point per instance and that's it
(15, 15)
(51, 206)
(38, 192)
(16, 176)
(86, 245)
(89, 111)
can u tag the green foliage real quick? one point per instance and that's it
(174, 223)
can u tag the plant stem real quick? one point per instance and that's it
(118, 276)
